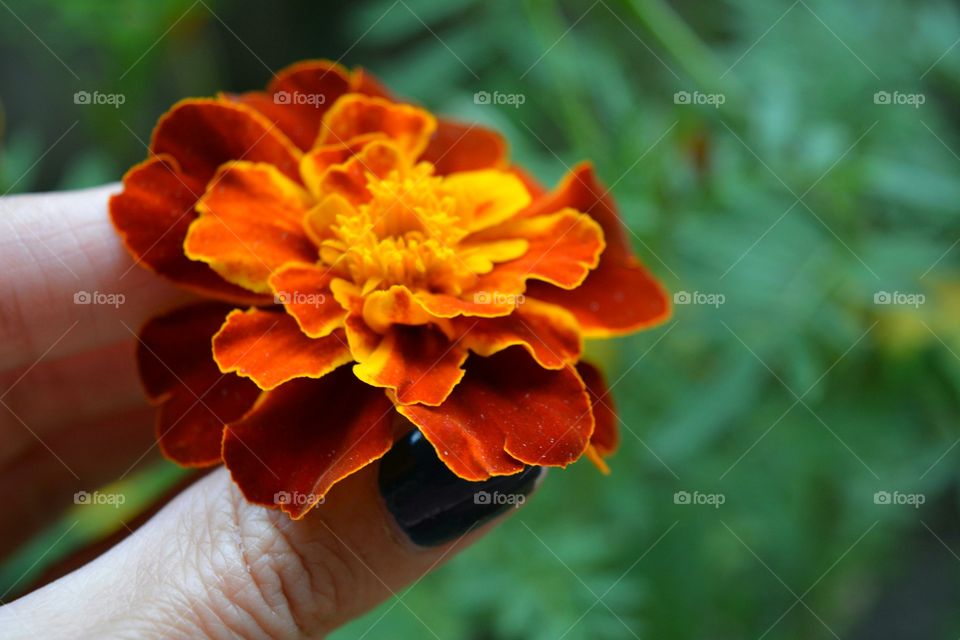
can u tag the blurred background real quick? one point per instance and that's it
(790, 170)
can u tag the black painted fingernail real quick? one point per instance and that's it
(434, 506)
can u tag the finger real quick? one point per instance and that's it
(211, 565)
(65, 393)
(37, 485)
(57, 246)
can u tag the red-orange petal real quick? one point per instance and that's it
(250, 224)
(456, 146)
(303, 437)
(202, 134)
(619, 296)
(562, 249)
(355, 115)
(306, 90)
(506, 412)
(304, 291)
(269, 348)
(152, 215)
(606, 435)
(178, 372)
(419, 364)
(549, 333)
(615, 299)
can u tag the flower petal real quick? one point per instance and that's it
(152, 215)
(549, 333)
(563, 248)
(619, 296)
(307, 89)
(250, 224)
(303, 437)
(506, 412)
(487, 197)
(418, 363)
(269, 348)
(349, 179)
(356, 114)
(304, 291)
(479, 304)
(457, 146)
(202, 134)
(615, 299)
(606, 436)
(179, 375)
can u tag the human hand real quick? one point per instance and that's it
(208, 564)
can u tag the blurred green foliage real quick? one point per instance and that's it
(797, 200)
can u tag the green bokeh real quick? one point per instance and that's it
(797, 200)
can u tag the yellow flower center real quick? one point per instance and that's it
(406, 233)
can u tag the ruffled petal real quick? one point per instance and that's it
(303, 437)
(250, 224)
(486, 198)
(304, 291)
(269, 348)
(549, 333)
(606, 436)
(180, 376)
(562, 249)
(417, 363)
(619, 296)
(349, 179)
(477, 304)
(356, 115)
(615, 299)
(456, 146)
(202, 134)
(152, 215)
(506, 412)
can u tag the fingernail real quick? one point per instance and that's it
(432, 505)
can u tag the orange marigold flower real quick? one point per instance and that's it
(355, 229)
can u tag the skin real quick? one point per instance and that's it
(208, 564)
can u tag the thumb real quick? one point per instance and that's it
(212, 565)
